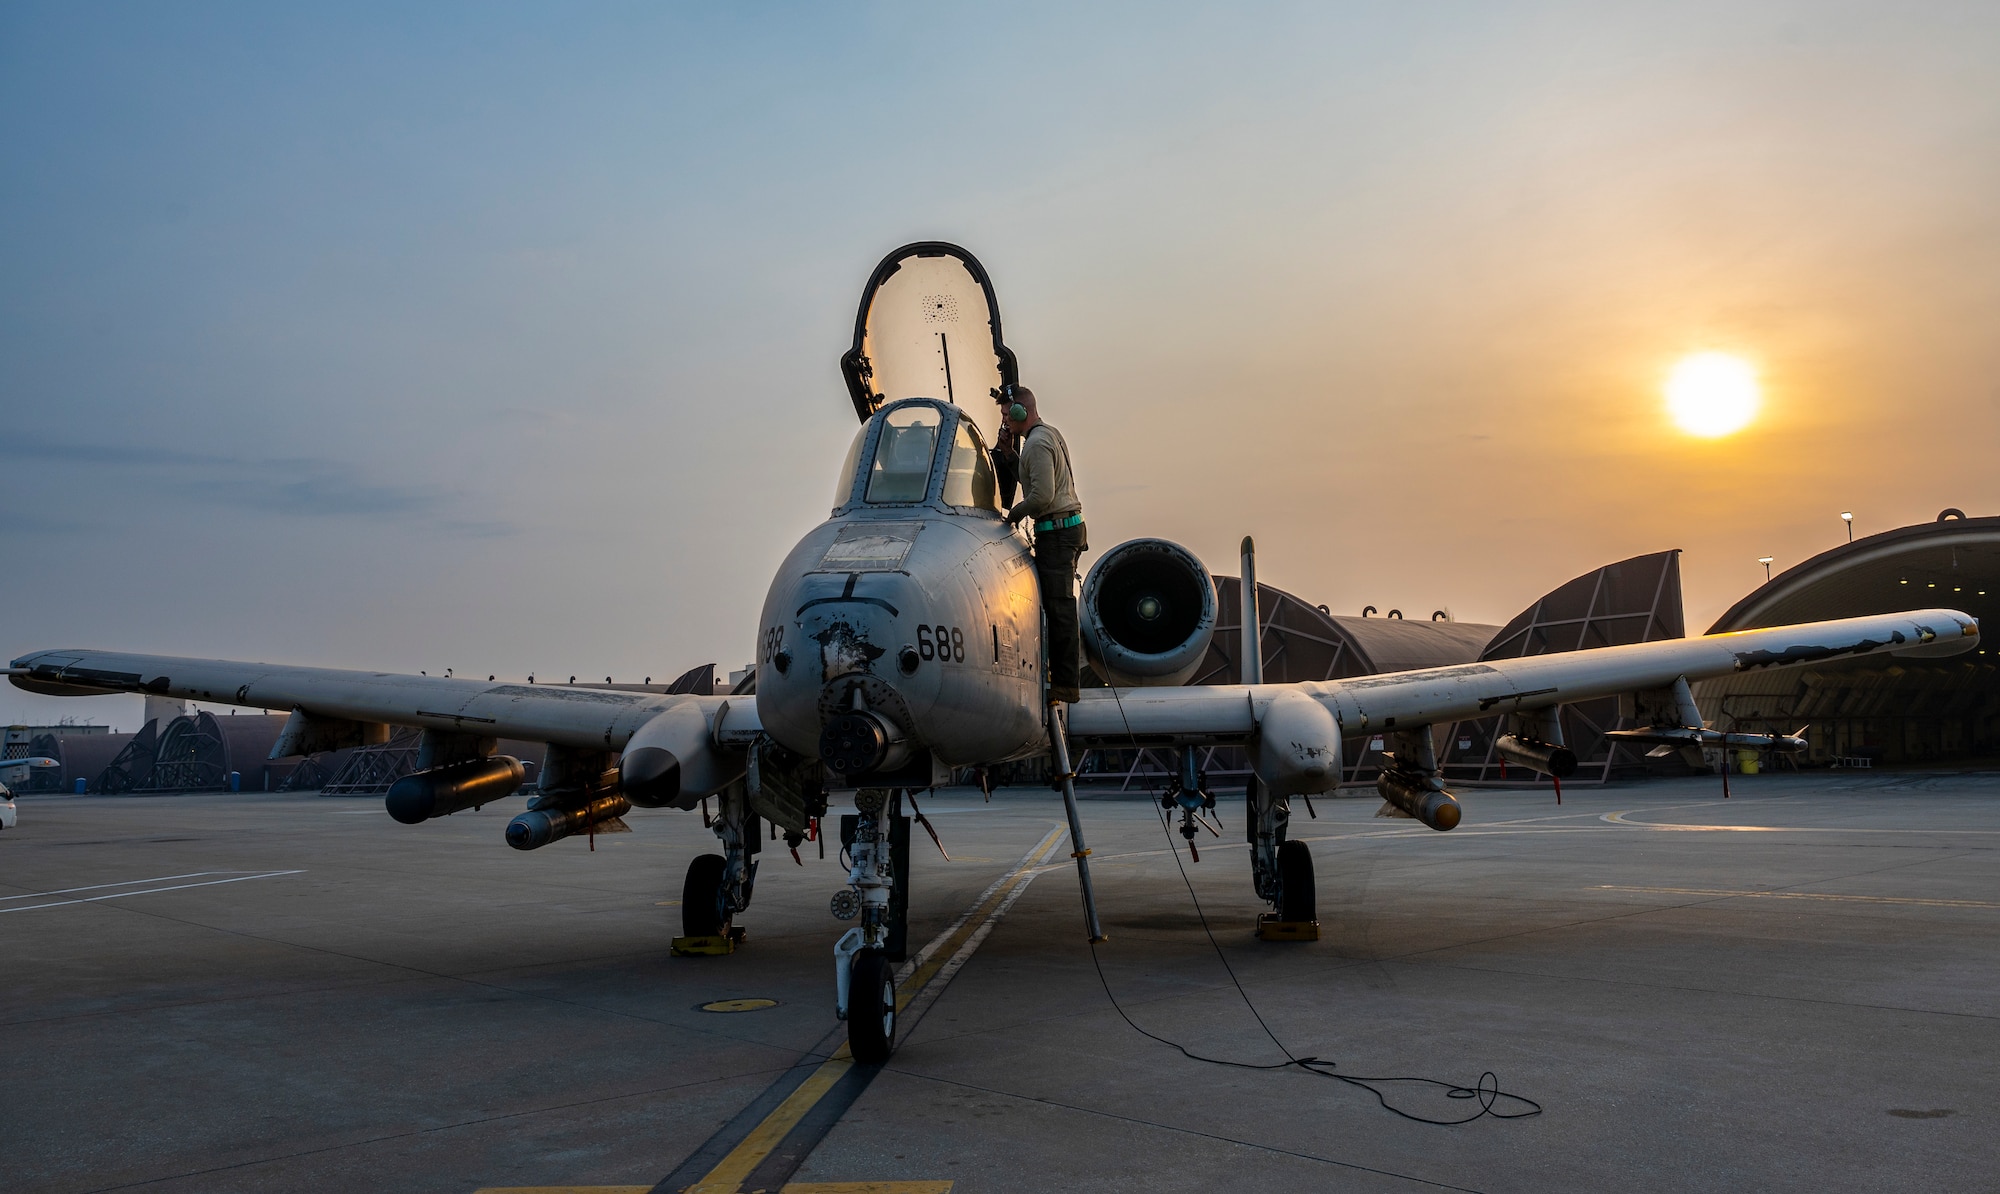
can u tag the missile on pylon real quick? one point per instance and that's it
(1671, 737)
(539, 826)
(1421, 796)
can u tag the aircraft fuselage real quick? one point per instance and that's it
(921, 612)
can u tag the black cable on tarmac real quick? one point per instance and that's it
(1486, 1091)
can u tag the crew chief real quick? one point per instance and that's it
(1048, 496)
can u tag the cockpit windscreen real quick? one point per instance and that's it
(968, 479)
(902, 469)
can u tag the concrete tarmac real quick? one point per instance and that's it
(1798, 988)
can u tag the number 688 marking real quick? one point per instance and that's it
(943, 643)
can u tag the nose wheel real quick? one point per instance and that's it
(871, 1008)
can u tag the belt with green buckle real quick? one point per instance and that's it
(1057, 524)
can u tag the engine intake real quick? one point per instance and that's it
(1148, 614)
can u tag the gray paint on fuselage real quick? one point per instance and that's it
(961, 594)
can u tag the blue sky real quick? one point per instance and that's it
(504, 338)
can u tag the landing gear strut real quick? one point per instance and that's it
(877, 840)
(1282, 870)
(718, 886)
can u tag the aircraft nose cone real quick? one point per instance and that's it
(649, 776)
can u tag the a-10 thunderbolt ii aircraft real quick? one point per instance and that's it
(901, 640)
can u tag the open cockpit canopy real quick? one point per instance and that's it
(928, 327)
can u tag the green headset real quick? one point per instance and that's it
(1015, 413)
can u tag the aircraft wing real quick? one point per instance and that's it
(1236, 713)
(564, 715)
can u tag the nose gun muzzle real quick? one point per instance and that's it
(861, 741)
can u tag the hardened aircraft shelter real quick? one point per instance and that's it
(1864, 711)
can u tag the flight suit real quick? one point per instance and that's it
(1048, 495)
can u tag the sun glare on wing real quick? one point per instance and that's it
(1712, 394)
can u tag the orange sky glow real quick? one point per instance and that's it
(352, 343)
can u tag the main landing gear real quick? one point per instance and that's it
(1281, 869)
(877, 841)
(718, 886)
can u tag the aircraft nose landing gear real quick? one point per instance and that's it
(877, 840)
(866, 982)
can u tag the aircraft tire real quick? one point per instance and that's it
(871, 1008)
(701, 897)
(1300, 900)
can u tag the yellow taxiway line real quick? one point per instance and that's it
(943, 956)
(728, 1175)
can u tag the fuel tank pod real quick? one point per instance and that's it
(672, 761)
(1298, 746)
(442, 791)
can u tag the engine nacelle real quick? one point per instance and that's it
(1148, 613)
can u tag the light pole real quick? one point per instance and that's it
(1847, 516)
(1766, 561)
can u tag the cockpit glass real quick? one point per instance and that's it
(902, 470)
(843, 489)
(968, 479)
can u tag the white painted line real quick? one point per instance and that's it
(1803, 895)
(36, 895)
(149, 891)
(1625, 818)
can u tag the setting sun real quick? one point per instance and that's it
(1712, 394)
